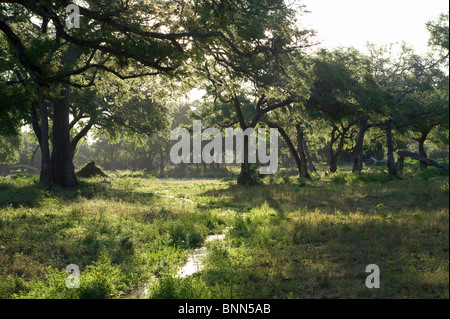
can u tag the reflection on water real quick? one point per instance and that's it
(195, 260)
(193, 265)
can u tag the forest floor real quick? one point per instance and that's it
(286, 238)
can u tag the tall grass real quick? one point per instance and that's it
(288, 237)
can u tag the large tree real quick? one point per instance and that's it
(244, 89)
(345, 95)
(126, 39)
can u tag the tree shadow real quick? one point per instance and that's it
(244, 199)
(329, 260)
(33, 195)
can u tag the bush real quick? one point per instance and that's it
(250, 177)
(187, 233)
(180, 288)
(101, 280)
(430, 173)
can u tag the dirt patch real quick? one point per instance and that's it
(91, 170)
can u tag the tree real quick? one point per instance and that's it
(9, 150)
(291, 119)
(417, 86)
(428, 108)
(128, 40)
(400, 75)
(340, 96)
(439, 36)
(245, 89)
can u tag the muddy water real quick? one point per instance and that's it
(193, 265)
(195, 260)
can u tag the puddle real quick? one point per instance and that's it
(193, 265)
(179, 198)
(195, 260)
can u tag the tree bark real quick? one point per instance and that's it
(245, 166)
(421, 140)
(46, 177)
(330, 145)
(34, 155)
(78, 137)
(359, 147)
(161, 162)
(402, 154)
(400, 163)
(301, 152)
(392, 167)
(333, 164)
(333, 157)
(63, 171)
(301, 164)
(311, 166)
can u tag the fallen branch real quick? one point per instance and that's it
(31, 169)
(403, 154)
(376, 161)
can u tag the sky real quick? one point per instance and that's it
(355, 22)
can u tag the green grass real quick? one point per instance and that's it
(287, 238)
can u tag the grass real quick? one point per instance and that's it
(287, 238)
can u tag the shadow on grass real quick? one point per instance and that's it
(345, 192)
(327, 258)
(25, 191)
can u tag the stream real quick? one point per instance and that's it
(194, 264)
(195, 260)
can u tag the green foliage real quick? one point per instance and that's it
(250, 177)
(185, 233)
(9, 149)
(101, 280)
(21, 190)
(439, 34)
(179, 288)
(282, 241)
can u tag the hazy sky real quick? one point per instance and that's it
(354, 22)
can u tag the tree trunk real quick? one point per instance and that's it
(333, 164)
(161, 162)
(392, 167)
(296, 154)
(78, 137)
(63, 171)
(46, 177)
(400, 163)
(422, 152)
(34, 155)
(150, 162)
(333, 157)
(134, 156)
(245, 166)
(359, 147)
(301, 152)
(402, 154)
(330, 146)
(302, 172)
(311, 166)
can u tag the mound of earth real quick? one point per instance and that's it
(91, 170)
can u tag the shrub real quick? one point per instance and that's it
(180, 288)
(250, 177)
(186, 233)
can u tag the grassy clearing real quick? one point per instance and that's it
(288, 238)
